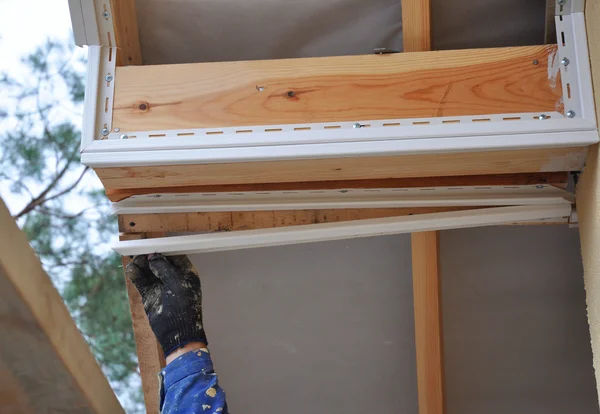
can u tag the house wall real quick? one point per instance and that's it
(328, 327)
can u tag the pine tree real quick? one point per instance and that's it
(64, 211)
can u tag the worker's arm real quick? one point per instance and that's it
(172, 297)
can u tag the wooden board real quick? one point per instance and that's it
(45, 364)
(557, 179)
(150, 355)
(334, 89)
(247, 220)
(404, 166)
(550, 30)
(428, 321)
(416, 19)
(416, 25)
(588, 198)
(127, 35)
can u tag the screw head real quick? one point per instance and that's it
(108, 78)
(357, 125)
(562, 2)
(571, 114)
(565, 61)
(117, 129)
(543, 117)
(260, 88)
(124, 136)
(105, 131)
(536, 62)
(105, 14)
(539, 186)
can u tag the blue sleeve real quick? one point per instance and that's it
(189, 385)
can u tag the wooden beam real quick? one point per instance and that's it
(428, 321)
(557, 179)
(45, 364)
(360, 168)
(416, 25)
(550, 32)
(149, 352)
(248, 220)
(336, 89)
(588, 199)
(416, 19)
(129, 51)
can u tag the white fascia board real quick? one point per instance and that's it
(84, 22)
(95, 159)
(345, 198)
(246, 239)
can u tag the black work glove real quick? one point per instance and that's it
(172, 297)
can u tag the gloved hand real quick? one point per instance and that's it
(172, 297)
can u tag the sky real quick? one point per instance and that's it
(25, 24)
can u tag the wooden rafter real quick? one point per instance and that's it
(416, 22)
(428, 321)
(126, 32)
(45, 364)
(416, 25)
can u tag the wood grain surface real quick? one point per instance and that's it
(416, 25)
(127, 38)
(149, 352)
(333, 89)
(428, 321)
(45, 364)
(361, 168)
(557, 179)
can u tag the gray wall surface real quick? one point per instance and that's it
(328, 327)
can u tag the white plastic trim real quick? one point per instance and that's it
(576, 75)
(92, 22)
(334, 150)
(345, 198)
(246, 239)
(78, 22)
(359, 129)
(91, 96)
(391, 129)
(97, 108)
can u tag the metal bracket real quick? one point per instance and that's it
(100, 85)
(574, 63)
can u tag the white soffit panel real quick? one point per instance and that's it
(345, 198)
(246, 239)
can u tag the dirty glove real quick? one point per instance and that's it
(172, 297)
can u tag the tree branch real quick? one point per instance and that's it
(41, 198)
(70, 188)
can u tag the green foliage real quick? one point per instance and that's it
(62, 208)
